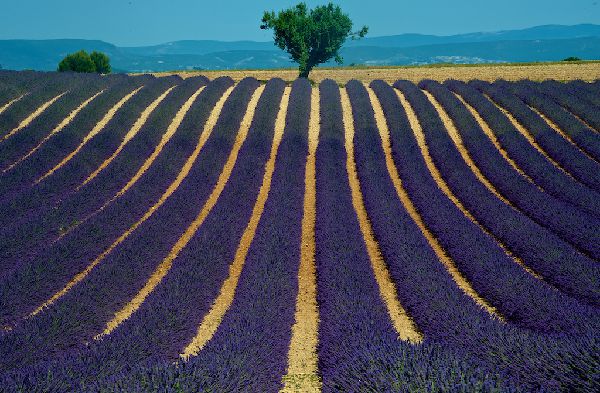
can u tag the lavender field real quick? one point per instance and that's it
(161, 234)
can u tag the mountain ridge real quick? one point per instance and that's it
(539, 43)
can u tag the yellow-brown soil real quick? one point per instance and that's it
(448, 263)
(95, 130)
(163, 268)
(208, 127)
(137, 126)
(222, 303)
(402, 322)
(302, 370)
(55, 130)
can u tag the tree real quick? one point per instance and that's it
(101, 61)
(77, 62)
(311, 37)
(83, 62)
(572, 58)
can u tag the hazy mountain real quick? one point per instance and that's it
(198, 47)
(547, 32)
(477, 52)
(542, 43)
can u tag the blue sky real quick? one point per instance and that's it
(145, 22)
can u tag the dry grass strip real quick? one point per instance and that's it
(487, 130)
(97, 128)
(455, 136)
(137, 126)
(222, 303)
(448, 263)
(562, 71)
(56, 130)
(25, 122)
(560, 132)
(208, 127)
(11, 102)
(163, 268)
(302, 368)
(528, 136)
(404, 325)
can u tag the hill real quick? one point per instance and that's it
(542, 43)
(211, 235)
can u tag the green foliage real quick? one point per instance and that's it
(101, 61)
(77, 62)
(572, 58)
(83, 62)
(311, 37)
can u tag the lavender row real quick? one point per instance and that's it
(26, 172)
(570, 98)
(53, 151)
(247, 342)
(566, 155)
(42, 91)
(358, 347)
(586, 91)
(21, 80)
(551, 214)
(425, 288)
(186, 294)
(15, 84)
(28, 235)
(517, 295)
(23, 141)
(42, 274)
(441, 311)
(532, 162)
(542, 100)
(42, 195)
(88, 307)
(9, 93)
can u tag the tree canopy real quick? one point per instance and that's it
(311, 37)
(101, 61)
(83, 62)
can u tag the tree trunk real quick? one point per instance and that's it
(304, 73)
(305, 70)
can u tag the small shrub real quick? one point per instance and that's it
(101, 61)
(83, 62)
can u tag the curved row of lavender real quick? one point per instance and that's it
(542, 98)
(579, 228)
(54, 266)
(75, 206)
(44, 193)
(578, 97)
(554, 182)
(587, 91)
(15, 179)
(548, 340)
(533, 240)
(581, 167)
(79, 90)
